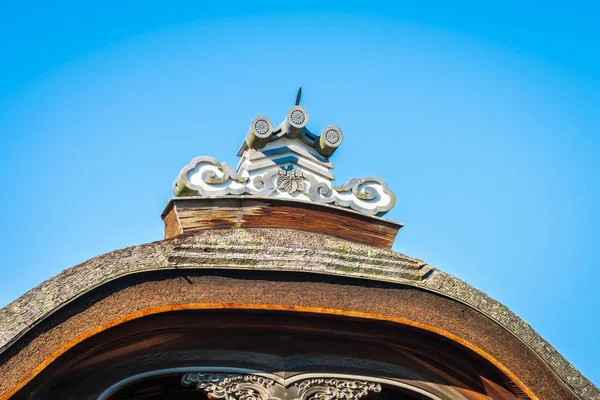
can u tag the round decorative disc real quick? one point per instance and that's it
(333, 136)
(262, 127)
(297, 117)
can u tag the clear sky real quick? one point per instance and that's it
(483, 119)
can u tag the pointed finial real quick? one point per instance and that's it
(298, 96)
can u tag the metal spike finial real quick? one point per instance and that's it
(298, 96)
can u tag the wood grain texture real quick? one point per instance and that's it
(172, 225)
(194, 214)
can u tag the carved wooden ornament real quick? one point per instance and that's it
(254, 387)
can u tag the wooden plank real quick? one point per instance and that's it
(239, 212)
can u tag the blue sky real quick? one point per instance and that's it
(482, 118)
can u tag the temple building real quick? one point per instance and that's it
(273, 282)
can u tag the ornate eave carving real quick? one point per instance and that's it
(231, 386)
(289, 162)
(255, 387)
(332, 388)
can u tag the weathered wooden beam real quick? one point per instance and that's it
(190, 214)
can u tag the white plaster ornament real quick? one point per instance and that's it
(287, 162)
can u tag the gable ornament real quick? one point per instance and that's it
(287, 161)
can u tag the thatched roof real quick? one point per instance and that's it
(286, 251)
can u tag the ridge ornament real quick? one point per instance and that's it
(289, 162)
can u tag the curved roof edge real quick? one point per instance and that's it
(274, 250)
